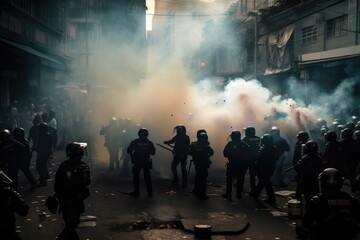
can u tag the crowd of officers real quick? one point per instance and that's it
(332, 153)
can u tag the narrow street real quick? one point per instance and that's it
(112, 214)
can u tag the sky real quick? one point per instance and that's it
(149, 14)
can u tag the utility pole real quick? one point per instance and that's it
(87, 46)
(255, 43)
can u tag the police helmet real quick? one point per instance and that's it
(302, 136)
(249, 131)
(180, 129)
(320, 122)
(74, 149)
(143, 133)
(235, 135)
(350, 125)
(355, 119)
(347, 133)
(202, 137)
(200, 131)
(275, 131)
(4, 135)
(330, 136)
(323, 130)
(267, 140)
(357, 127)
(19, 133)
(357, 134)
(311, 147)
(43, 127)
(331, 178)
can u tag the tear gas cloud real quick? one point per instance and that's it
(169, 96)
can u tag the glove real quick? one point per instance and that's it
(166, 142)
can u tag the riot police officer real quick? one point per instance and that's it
(302, 138)
(201, 152)
(265, 164)
(254, 142)
(10, 202)
(238, 154)
(19, 135)
(282, 147)
(112, 142)
(308, 169)
(140, 150)
(332, 214)
(181, 143)
(11, 156)
(348, 153)
(331, 152)
(71, 188)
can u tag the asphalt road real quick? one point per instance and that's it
(112, 214)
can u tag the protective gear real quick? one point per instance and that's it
(43, 128)
(74, 149)
(235, 135)
(357, 134)
(267, 140)
(180, 129)
(331, 178)
(347, 133)
(143, 133)
(202, 137)
(249, 131)
(320, 122)
(311, 147)
(5, 135)
(200, 131)
(350, 125)
(302, 136)
(19, 133)
(330, 136)
(323, 130)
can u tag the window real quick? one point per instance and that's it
(309, 35)
(337, 26)
(15, 24)
(40, 36)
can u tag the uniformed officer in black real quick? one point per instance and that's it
(254, 142)
(140, 150)
(11, 202)
(332, 214)
(201, 152)
(238, 154)
(71, 188)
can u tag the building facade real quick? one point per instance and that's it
(32, 47)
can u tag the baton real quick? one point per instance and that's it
(288, 169)
(164, 147)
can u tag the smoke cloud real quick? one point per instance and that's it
(170, 95)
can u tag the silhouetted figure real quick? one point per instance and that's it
(201, 153)
(254, 142)
(181, 143)
(140, 150)
(332, 214)
(11, 202)
(19, 135)
(308, 169)
(265, 167)
(44, 150)
(349, 157)
(11, 156)
(282, 147)
(238, 154)
(331, 154)
(112, 143)
(71, 188)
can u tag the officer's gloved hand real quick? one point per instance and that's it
(166, 142)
